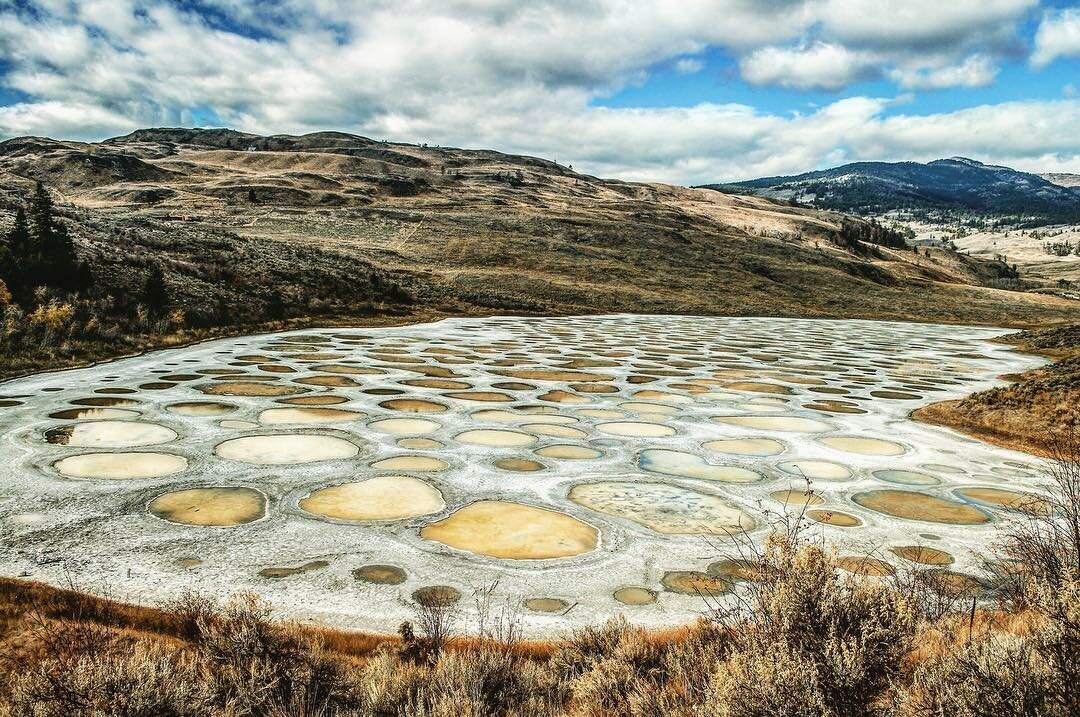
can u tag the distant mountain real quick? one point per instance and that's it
(943, 188)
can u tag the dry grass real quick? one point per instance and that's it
(1040, 404)
(845, 645)
(980, 416)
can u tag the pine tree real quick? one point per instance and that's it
(41, 212)
(275, 306)
(155, 293)
(50, 258)
(17, 257)
(20, 244)
(61, 263)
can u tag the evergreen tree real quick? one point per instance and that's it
(17, 256)
(275, 305)
(20, 244)
(41, 212)
(155, 293)
(61, 263)
(50, 258)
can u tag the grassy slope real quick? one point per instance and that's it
(479, 229)
(1037, 406)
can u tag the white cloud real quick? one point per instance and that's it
(926, 44)
(921, 25)
(975, 71)
(1058, 36)
(689, 65)
(920, 44)
(820, 66)
(59, 119)
(1018, 134)
(319, 58)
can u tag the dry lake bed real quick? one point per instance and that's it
(590, 465)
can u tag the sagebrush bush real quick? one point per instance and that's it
(993, 675)
(386, 684)
(254, 666)
(840, 640)
(477, 682)
(615, 666)
(626, 670)
(776, 682)
(587, 645)
(492, 681)
(133, 679)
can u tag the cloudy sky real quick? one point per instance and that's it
(685, 91)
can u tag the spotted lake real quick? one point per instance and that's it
(591, 465)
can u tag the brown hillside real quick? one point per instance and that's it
(474, 231)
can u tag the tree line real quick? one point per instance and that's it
(39, 251)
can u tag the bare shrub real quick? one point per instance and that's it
(188, 611)
(1042, 543)
(498, 619)
(436, 620)
(931, 593)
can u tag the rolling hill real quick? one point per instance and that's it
(331, 227)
